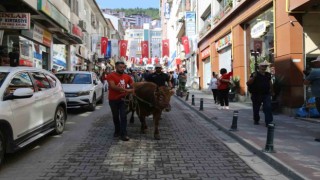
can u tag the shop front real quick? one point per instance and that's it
(223, 47)
(206, 64)
(260, 38)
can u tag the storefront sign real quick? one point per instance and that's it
(260, 29)
(190, 23)
(37, 33)
(223, 42)
(77, 31)
(49, 9)
(205, 53)
(10, 20)
(47, 38)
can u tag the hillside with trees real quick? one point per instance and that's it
(152, 12)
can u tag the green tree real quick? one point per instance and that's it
(152, 12)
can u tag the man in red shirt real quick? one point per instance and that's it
(118, 83)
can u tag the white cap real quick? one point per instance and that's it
(264, 63)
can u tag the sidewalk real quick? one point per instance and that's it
(296, 155)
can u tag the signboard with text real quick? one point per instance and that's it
(190, 23)
(9, 20)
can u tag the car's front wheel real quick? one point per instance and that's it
(2, 148)
(93, 104)
(60, 120)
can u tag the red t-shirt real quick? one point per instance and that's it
(120, 80)
(224, 85)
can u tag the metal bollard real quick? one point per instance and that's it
(192, 100)
(270, 136)
(201, 104)
(187, 96)
(234, 125)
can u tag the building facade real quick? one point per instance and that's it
(238, 34)
(52, 34)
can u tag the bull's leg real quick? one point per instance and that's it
(132, 118)
(156, 119)
(143, 124)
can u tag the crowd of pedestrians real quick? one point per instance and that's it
(120, 84)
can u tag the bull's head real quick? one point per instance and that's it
(163, 96)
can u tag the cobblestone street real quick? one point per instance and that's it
(187, 150)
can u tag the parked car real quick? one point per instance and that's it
(32, 104)
(82, 89)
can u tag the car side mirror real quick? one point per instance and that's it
(20, 93)
(95, 82)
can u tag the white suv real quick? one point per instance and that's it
(82, 88)
(32, 104)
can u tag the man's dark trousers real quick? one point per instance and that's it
(119, 116)
(257, 100)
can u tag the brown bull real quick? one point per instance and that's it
(149, 99)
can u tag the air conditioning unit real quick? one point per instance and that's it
(83, 25)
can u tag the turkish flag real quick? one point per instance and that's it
(156, 60)
(149, 61)
(165, 47)
(185, 42)
(141, 61)
(123, 48)
(144, 49)
(104, 45)
(178, 61)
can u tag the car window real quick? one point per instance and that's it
(3, 76)
(51, 80)
(41, 82)
(20, 80)
(74, 78)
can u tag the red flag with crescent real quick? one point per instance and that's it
(104, 45)
(156, 60)
(141, 61)
(144, 49)
(149, 61)
(185, 42)
(123, 48)
(165, 47)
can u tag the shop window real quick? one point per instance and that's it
(261, 46)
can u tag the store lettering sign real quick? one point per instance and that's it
(223, 42)
(47, 38)
(37, 33)
(49, 9)
(77, 31)
(260, 29)
(205, 53)
(14, 20)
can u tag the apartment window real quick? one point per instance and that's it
(76, 7)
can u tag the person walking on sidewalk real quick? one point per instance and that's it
(260, 87)
(213, 85)
(313, 79)
(223, 88)
(118, 83)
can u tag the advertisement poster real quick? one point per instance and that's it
(59, 57)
